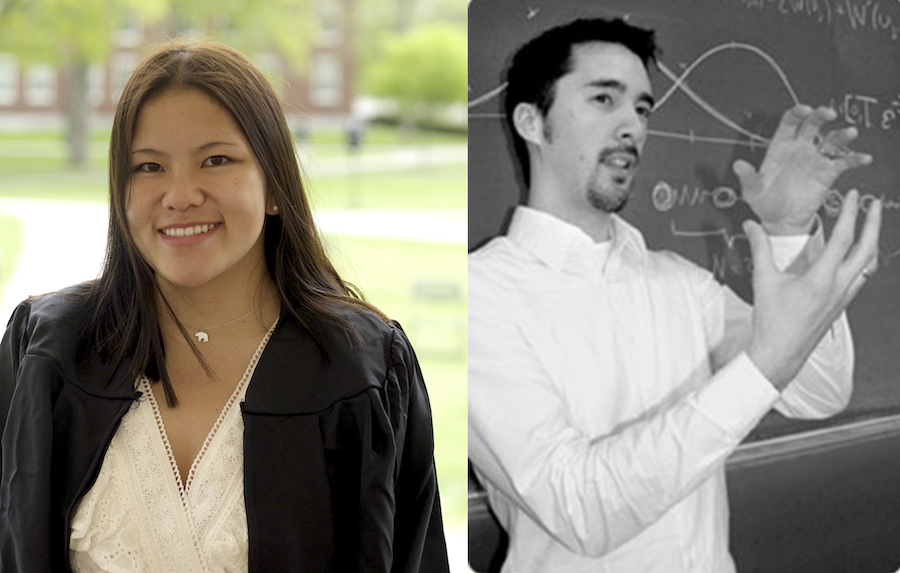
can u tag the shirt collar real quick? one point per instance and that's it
(565, 247)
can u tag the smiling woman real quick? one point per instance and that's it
(194, 169)
(220, 398)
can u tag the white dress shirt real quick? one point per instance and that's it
(607, 386)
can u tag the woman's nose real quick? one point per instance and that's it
(184, 191)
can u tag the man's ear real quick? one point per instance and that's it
(529, 122)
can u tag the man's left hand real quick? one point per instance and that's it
(800, 167)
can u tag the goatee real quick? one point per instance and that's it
(611, 196)
(608, 201)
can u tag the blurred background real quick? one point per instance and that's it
(374, 92)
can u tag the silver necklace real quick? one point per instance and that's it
(201, 334)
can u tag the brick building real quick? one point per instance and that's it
(35, 95)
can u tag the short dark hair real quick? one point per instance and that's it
(535, 68)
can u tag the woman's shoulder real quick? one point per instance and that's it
(310, 367)
(55, 313)
(355, 329)
(47, 325)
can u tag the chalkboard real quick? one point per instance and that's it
(729, 69)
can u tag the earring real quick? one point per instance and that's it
(274, 208)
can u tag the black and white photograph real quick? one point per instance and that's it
(683, 286)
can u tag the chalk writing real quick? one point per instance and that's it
(868, 112)
(721, 265)
(834, 200)
(856, 109)
(863, 15)
(679, 83)
(726, 234)
(494, 93)
(890, 116)
(666, 197)
(692, 138)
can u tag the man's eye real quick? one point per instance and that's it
(216, 160)
(149, 167)
(645, 112)
(604, 99)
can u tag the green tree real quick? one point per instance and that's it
(70, 34)
(422, 70)
(285, 26)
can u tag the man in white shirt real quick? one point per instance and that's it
(608, 383)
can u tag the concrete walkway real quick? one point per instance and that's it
(371, 160)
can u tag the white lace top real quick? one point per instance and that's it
(138, 516)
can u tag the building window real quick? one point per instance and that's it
(96, 85)
(9, 80)
(40, 85)
(326, 86)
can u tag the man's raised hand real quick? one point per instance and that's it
(791, 313)
(799, 168)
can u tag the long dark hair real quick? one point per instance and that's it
(122, 321)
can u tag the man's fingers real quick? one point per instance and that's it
(842, 235)
(835, 146)
(747, 177)
(790, 122)
(854, 159)
(812, 123)
(862, 261)
(840, 138)
(760, 249)
(858, 282)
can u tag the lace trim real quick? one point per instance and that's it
(183, 486)
(235, 396)
(148, 392)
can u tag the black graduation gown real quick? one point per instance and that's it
(338, 456)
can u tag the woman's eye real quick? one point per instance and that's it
(149, 167)
(216, 160)
(604, 99)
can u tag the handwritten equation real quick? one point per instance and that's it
(869, 112)
(864, 15)
(668, 197)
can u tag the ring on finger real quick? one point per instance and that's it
(831, 152)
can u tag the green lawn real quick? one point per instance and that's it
(388, 272)
(427, 188)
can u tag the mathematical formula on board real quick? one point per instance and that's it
(864, 15)
(860, 110)
(868, 112)
(670, 198)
